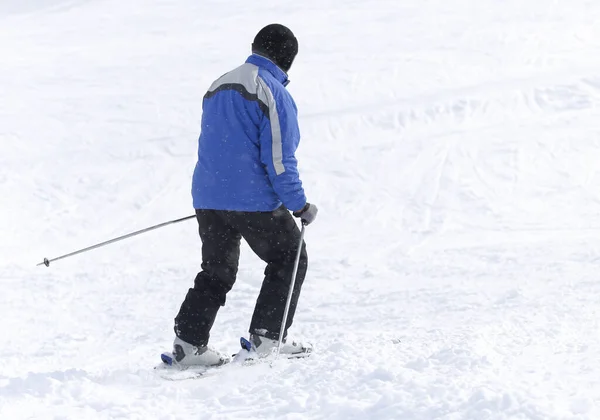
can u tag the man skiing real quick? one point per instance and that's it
(245, 184)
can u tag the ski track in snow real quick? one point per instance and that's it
(452, 149)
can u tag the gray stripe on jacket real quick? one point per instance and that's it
(247, 76)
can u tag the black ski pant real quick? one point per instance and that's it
(274, 237)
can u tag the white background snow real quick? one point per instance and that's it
(453, 148)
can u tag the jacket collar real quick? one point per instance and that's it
(271, 67)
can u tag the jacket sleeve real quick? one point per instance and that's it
(279, 139)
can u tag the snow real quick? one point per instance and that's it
(451, 146)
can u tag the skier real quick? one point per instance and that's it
(245, 184)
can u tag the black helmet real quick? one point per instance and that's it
(277, 43)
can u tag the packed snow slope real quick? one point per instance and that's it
(453, 148)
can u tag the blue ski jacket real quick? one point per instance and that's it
(248, 140)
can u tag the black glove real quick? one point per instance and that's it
(308, 214)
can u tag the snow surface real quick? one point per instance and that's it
(453, 148)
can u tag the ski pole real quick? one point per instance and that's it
(289, 297)
(47, 261)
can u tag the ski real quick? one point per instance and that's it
(170, 370)
(180, 373)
